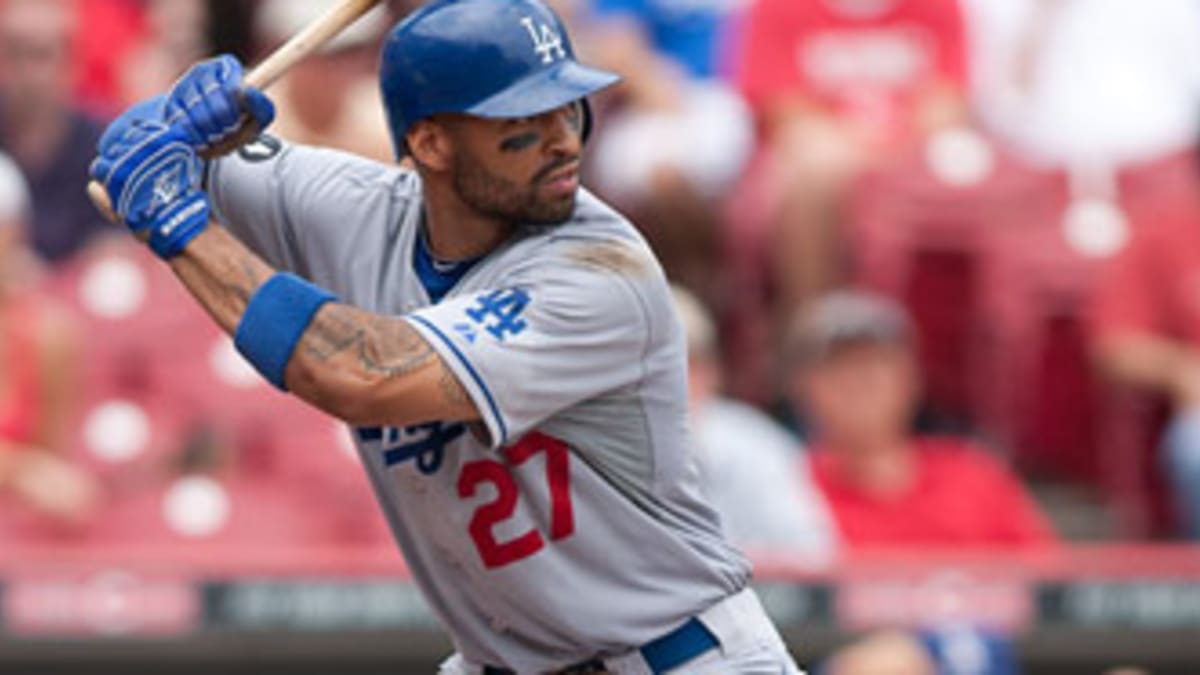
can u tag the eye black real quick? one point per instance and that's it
(519, 142)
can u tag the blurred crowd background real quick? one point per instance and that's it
(938, 260)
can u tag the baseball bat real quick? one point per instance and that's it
(270, 69)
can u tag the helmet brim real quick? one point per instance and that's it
(544, 90)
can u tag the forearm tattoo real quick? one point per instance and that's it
(223, 283)
(224, 275)
(242, 286)
(380, 345)
(452, 389)
(382, 348)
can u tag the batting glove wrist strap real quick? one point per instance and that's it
(152, 177)
(179, 224)
(278, 314)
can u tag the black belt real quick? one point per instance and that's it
(591, 667)
(662, 654)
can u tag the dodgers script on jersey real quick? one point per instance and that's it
(568, 523)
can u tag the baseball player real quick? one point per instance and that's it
(502, 343)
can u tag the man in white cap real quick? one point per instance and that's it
(755, 472)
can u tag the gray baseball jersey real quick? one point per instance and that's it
(569, 523)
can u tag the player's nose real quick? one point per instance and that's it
(565, 132)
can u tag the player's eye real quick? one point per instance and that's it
(519, 142)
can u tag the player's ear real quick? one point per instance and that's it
(430, 145)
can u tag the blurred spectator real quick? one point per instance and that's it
(37, 367)
(1100, 83)
(836, 85)
(114, 27)
(330, 99)
(891, 652)
(51, 141)
(957, 650)
(1147, 334)
(854, 370)
(755, 471)
(960, 649)
(679, 136)
(175, 35)
(231, 27)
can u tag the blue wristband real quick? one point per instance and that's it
(278, 314)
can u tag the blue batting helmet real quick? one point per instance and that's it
(489, 58)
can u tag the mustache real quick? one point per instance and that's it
(553, 166)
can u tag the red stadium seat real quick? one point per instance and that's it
(130, 309)
(224, 511)
(1130, 429)
(160, 380)
(1061, 418)
(925, 233)
(745, 322)
(1172, 179)
(998, 283)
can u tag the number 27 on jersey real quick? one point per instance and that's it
(488, 515)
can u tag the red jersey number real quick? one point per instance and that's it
(562, 518)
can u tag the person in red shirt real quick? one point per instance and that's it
(1146, 333)
(837, 85)
(37, 369)
(854, 372)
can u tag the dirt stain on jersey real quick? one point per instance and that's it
(613, 255)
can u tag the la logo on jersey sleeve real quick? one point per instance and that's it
(496, 315)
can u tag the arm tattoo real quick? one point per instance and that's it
(381, 345)
(224, 275)
(224, 279)
(242, 288)
(237, 284)
(385, 347)
(452, 389)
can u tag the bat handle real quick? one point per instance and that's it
(96, 193)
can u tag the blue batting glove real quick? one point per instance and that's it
(151, 109)
(209, 100)
(152, 176)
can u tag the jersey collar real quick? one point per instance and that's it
(437, 276)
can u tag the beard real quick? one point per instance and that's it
(504, 200)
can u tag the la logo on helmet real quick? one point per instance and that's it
(547, 43)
